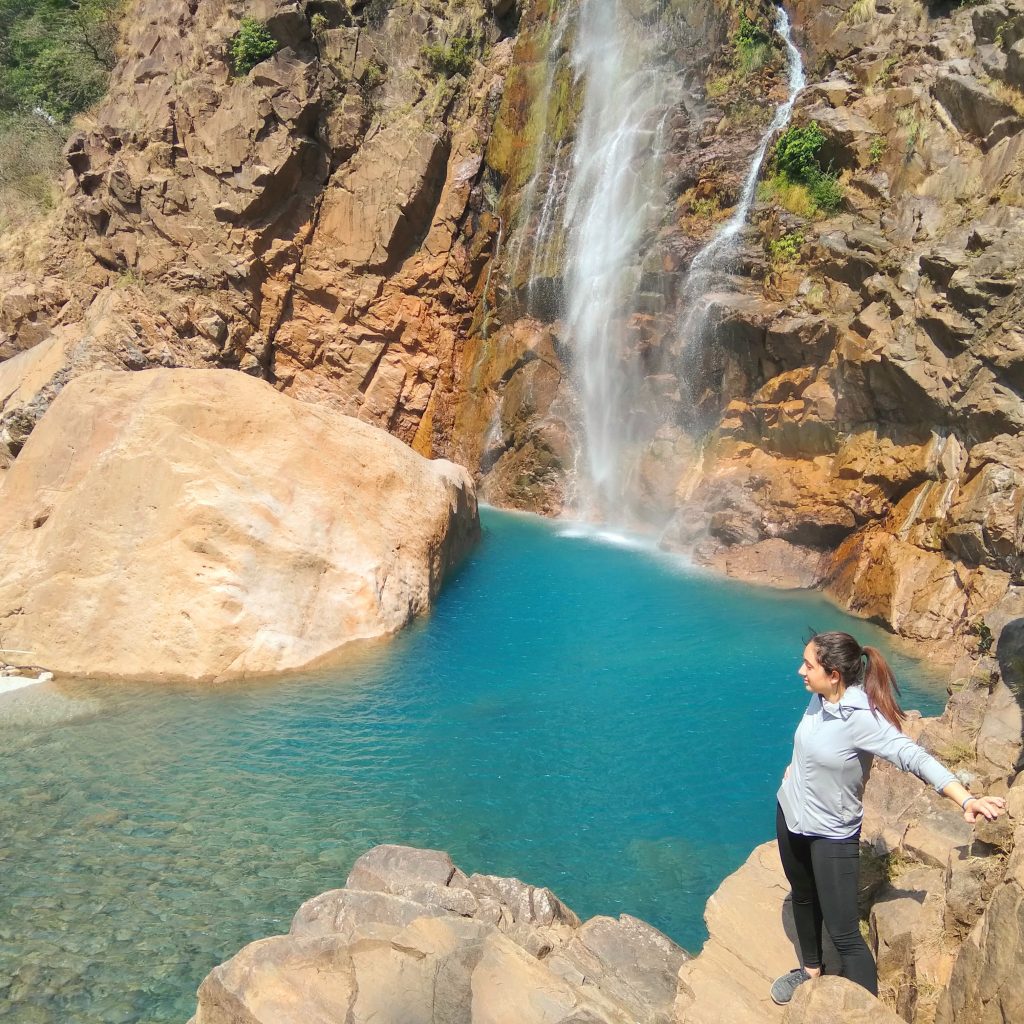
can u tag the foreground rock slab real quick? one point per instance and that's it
(750, 943)
(196, 524)
(414, 940)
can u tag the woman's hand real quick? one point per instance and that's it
(984, 807)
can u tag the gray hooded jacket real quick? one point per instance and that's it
(832, 754)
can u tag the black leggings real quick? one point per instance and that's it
(823, 876)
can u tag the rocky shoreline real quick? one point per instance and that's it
(411, 938)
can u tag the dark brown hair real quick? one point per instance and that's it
(840, 652)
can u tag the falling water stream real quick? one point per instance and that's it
(713, 260)
(614, 197)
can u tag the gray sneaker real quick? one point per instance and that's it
(784, 987)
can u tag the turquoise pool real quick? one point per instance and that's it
(584, 715)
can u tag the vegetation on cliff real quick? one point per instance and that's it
(55, 60)
(799, 182)
(251, 45)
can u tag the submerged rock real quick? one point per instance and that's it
(412, 939)
(196, 524)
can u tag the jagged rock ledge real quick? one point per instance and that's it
(411, 938)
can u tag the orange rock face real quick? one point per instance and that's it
(309, 222)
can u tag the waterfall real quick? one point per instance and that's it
(612, 201)
(558, 23)
(598, 194)
(713, 259)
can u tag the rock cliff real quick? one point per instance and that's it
(199, 525)
(307, 222)
(875, 431)
(374, 218)
(849, 413)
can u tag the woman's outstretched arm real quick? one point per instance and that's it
(974, 807)
(877, 736)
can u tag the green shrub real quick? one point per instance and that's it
(826, 192)
(790, 195)
(786, 249)
(717, 87)
(318, 24)
(56, 55)
(878, 147)
(251, 44)
(752, 58)
(706, 209)
(796, 152)
(796, 162)
(980, 628)
(454, 59)
(374, 73)
(750, 33)
(752, 45)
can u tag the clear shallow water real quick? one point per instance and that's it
(575, 712)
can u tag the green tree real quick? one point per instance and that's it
(251, 45)
(55, 61)
(56, 55)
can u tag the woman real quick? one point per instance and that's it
(853, 715)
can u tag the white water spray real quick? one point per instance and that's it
(612, 202)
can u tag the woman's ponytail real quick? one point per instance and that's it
(880, 686)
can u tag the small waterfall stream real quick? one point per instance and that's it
(547, 162)
(713, 260)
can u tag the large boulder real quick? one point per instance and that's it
(197, 524)
(413, 939)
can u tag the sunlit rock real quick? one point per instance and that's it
(199, 525)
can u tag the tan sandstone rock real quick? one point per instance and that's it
(837, 1001)
(729, 982)
(197, 524)
(413, 940)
